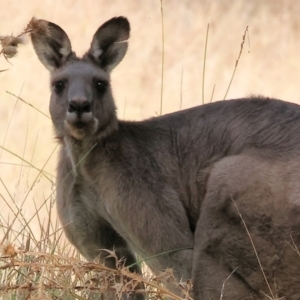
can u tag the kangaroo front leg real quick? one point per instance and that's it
(79, 209)
(158, 230)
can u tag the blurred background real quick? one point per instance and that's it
(269, 65)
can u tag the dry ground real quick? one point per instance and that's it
(269, 65)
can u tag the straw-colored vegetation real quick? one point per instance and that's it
(36, 261)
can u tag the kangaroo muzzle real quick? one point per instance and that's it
(79, 107)
(79, 112)
(79, 119)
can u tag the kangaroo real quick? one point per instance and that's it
(214, 189)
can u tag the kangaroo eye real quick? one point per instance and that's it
(59, 86)
(100, 86)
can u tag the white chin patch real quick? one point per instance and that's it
(77, 133)
(80, 133)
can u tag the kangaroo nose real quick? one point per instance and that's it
(79, 106)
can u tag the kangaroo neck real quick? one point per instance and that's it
(78, 150)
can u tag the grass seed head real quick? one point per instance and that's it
(9, 45)
(8, 250)
(37, 26)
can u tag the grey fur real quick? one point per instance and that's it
(176, 181)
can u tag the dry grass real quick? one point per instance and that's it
(43, 275)
(29, 231)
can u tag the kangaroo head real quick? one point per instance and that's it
(81, 102)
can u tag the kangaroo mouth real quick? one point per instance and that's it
(80, 125)
(80, 129)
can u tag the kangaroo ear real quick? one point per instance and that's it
(109, 44)
(50, 43)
